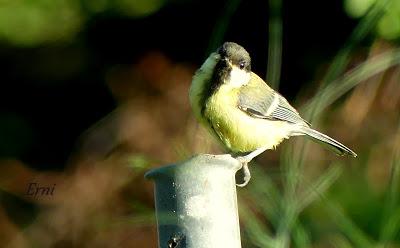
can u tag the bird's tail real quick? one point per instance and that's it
(330, 143)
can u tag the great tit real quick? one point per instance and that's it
(242, 111)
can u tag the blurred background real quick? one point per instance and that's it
(94, 93)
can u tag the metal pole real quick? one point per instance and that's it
(196, 204)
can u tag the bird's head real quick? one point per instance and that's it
(233, 65)
(234, 55)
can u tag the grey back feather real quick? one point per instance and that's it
(259, 100)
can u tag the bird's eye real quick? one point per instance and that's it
(242, 65)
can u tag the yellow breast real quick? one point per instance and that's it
(238, 131)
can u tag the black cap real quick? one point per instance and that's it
(236, 54)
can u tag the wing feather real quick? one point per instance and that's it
(260, 101)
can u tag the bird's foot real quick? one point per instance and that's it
(244, 161)
(245, 171)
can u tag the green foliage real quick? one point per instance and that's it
(31, 23)
(28, 23)
(388, 26)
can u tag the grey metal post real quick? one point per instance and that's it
(196, 203)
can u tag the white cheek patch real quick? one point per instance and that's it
(238, 77)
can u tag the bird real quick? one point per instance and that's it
(242, 112)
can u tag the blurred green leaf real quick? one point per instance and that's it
(391, 214)
(221, 26)
(347, 226)
(341, 242)
(319, 187)
(31, 23)
(341, 86)
(139, 162)
(274, 43)
(357, 8)
(267, 194)
(339, 63)
(138, 8)
(259, 235)
(301, 236)
(389, 25)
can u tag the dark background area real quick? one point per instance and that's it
(56, 92)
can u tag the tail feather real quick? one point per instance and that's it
(332, 144)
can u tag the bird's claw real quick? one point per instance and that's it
(246, 172)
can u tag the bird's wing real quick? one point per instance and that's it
(260, 101)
